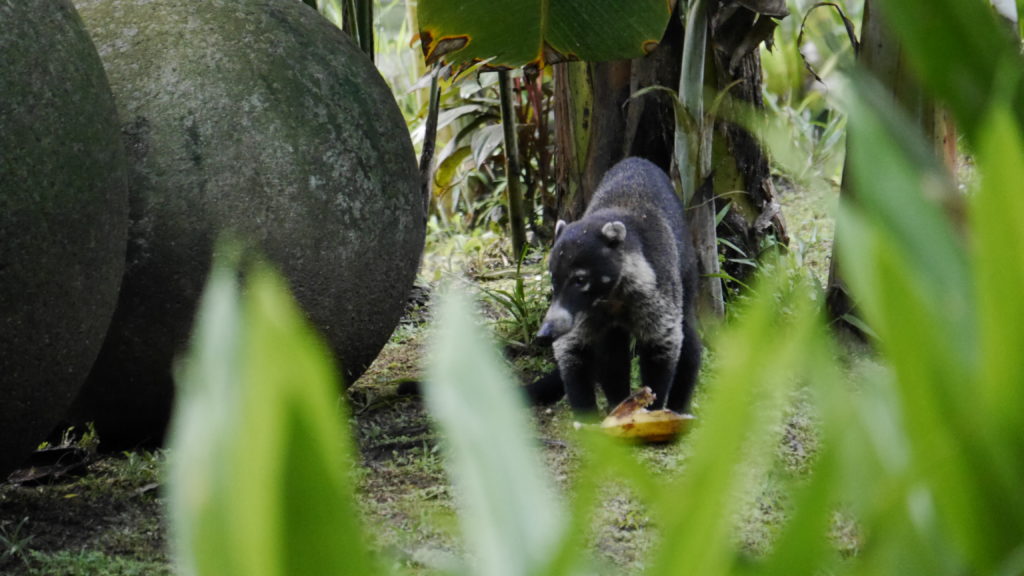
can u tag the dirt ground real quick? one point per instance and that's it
(106, 519)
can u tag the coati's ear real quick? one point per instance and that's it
(559, 228)
(614, 232)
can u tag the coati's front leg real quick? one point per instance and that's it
(687, 370)
(612, 361)
(575, 364)
(658, 360)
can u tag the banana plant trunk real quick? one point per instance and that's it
(590, 125)
(881, 54)
(742, 173)
(573, 105)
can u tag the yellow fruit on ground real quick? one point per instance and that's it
(632, 420)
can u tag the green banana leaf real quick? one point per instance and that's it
(513, 33)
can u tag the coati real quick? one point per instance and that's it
(624, 272)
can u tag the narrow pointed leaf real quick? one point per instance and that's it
(999, 273)
(999, 263)
(896, 179)
(510, 516)
(907, 267)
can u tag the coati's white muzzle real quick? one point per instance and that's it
(557, 322)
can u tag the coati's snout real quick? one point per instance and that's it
(557, 322)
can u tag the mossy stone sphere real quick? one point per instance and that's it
(261, 119)
(63, 217)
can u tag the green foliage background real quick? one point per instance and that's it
(926, 454)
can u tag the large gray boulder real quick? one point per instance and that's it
(63, 217)
(260, 118)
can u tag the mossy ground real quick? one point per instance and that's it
(110, 520)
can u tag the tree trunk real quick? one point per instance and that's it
(881, 54)
(740, 163)
(610, 84)
(573, 111)
(650, 118)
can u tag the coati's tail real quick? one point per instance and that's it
(410, 387)
(545, 390)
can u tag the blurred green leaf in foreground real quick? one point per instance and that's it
(923, 453)
(258, 478)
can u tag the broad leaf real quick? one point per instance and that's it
(539, 32)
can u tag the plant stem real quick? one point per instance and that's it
(515, 193)
(429, 141)
(364, 24)
(693, 159)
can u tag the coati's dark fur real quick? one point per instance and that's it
(625, 271)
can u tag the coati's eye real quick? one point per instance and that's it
(579, 280)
